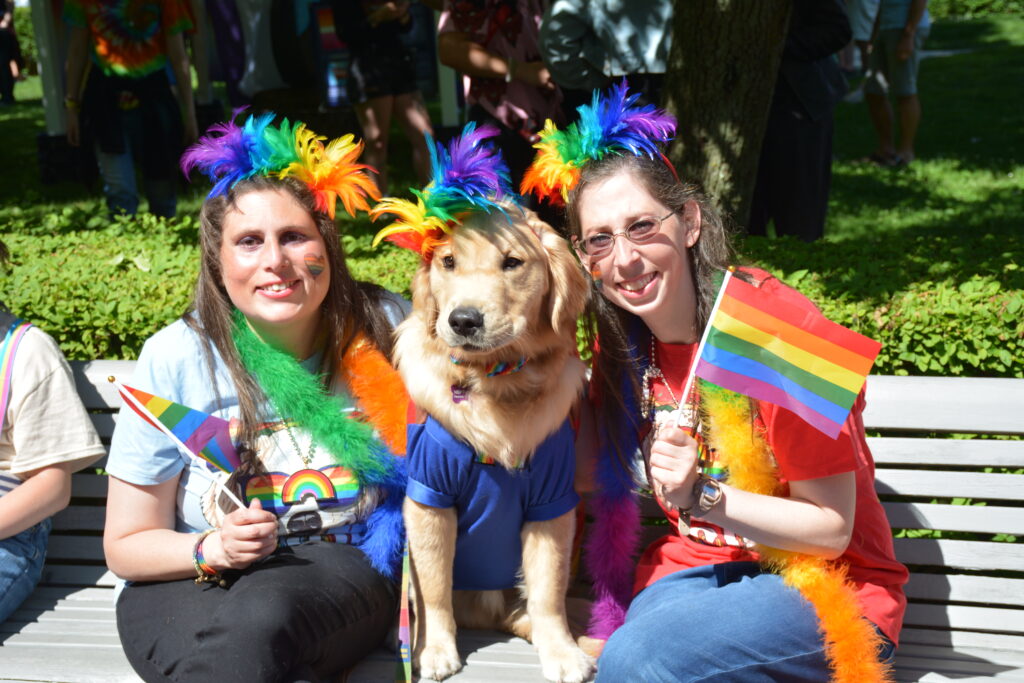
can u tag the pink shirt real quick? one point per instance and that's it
(508, 28)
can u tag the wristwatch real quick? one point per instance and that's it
(707, 493)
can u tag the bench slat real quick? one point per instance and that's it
(80, 518)
(92, 664)
(928, 670)
(77, 575)
(974, 555)
(68, 594)
(936, 484)
(962, 640)
(973, 405)
(966, 617)
(104, 424)
(980, 518)
(75, 548)
(86, 485)
(898, 450)
(92, 385)
(94, 631)
(966, 588)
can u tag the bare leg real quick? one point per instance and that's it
(412, 116)
(881, 118)
(431, 533)
(375, 119)
(909, 108)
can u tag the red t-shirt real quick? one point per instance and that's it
(802, 452)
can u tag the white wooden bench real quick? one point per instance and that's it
(965, 621)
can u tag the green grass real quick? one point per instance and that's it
(957, 212)
(903, 248)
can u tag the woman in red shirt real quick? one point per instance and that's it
(758, 501)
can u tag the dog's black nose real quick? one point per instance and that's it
(466, 322)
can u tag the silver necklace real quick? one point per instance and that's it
(652, 373)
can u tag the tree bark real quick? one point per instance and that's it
(721, 73)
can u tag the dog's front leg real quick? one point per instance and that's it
(431, 533)
(547, 547)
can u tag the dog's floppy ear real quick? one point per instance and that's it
(569, 289)
(423, 301)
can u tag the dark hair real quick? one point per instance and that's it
(616, 368)
(349, 308)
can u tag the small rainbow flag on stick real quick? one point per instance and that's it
(197, 434)
(771, 350)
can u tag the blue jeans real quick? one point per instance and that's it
(725, 622)
(21, 565)
(118, 173)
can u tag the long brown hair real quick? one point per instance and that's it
(616, 366)
(349, 308)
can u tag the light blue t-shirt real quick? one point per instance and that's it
(312, 496)
(892, 14)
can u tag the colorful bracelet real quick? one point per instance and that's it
(204, 572)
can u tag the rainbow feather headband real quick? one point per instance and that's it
(229, 153)
(611, 124)
(466, 177)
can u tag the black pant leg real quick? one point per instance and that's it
(313, 608)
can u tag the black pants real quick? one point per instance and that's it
(794, 173)
(7, 53)
(306, 613)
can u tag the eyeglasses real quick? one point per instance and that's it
(639, 231)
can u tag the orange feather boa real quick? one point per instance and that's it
(851, 642)
(379, 391)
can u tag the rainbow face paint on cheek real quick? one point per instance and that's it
(316, 264)
(595, 273)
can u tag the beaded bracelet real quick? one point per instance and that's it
(204, 572)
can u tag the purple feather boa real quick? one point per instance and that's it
(608, 553)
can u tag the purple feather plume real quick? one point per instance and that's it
(638, 130)
(222, 155)
(469, 171)
(609, 557)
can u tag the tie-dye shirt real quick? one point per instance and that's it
(128, 36)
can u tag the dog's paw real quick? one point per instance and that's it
(439, 661)
(567, 665)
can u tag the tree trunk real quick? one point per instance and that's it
(721, 73)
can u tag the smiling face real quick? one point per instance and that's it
(652, 280)
(273, 264)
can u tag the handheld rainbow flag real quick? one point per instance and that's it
(197, 434)
(758, 346)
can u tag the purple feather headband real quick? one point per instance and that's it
(610, 124)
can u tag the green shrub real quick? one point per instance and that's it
(101, 292)
(974, 8)
(101, 287)
(26, 38)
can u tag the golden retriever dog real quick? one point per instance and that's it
(504, 291)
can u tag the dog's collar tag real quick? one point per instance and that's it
(459, 393)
